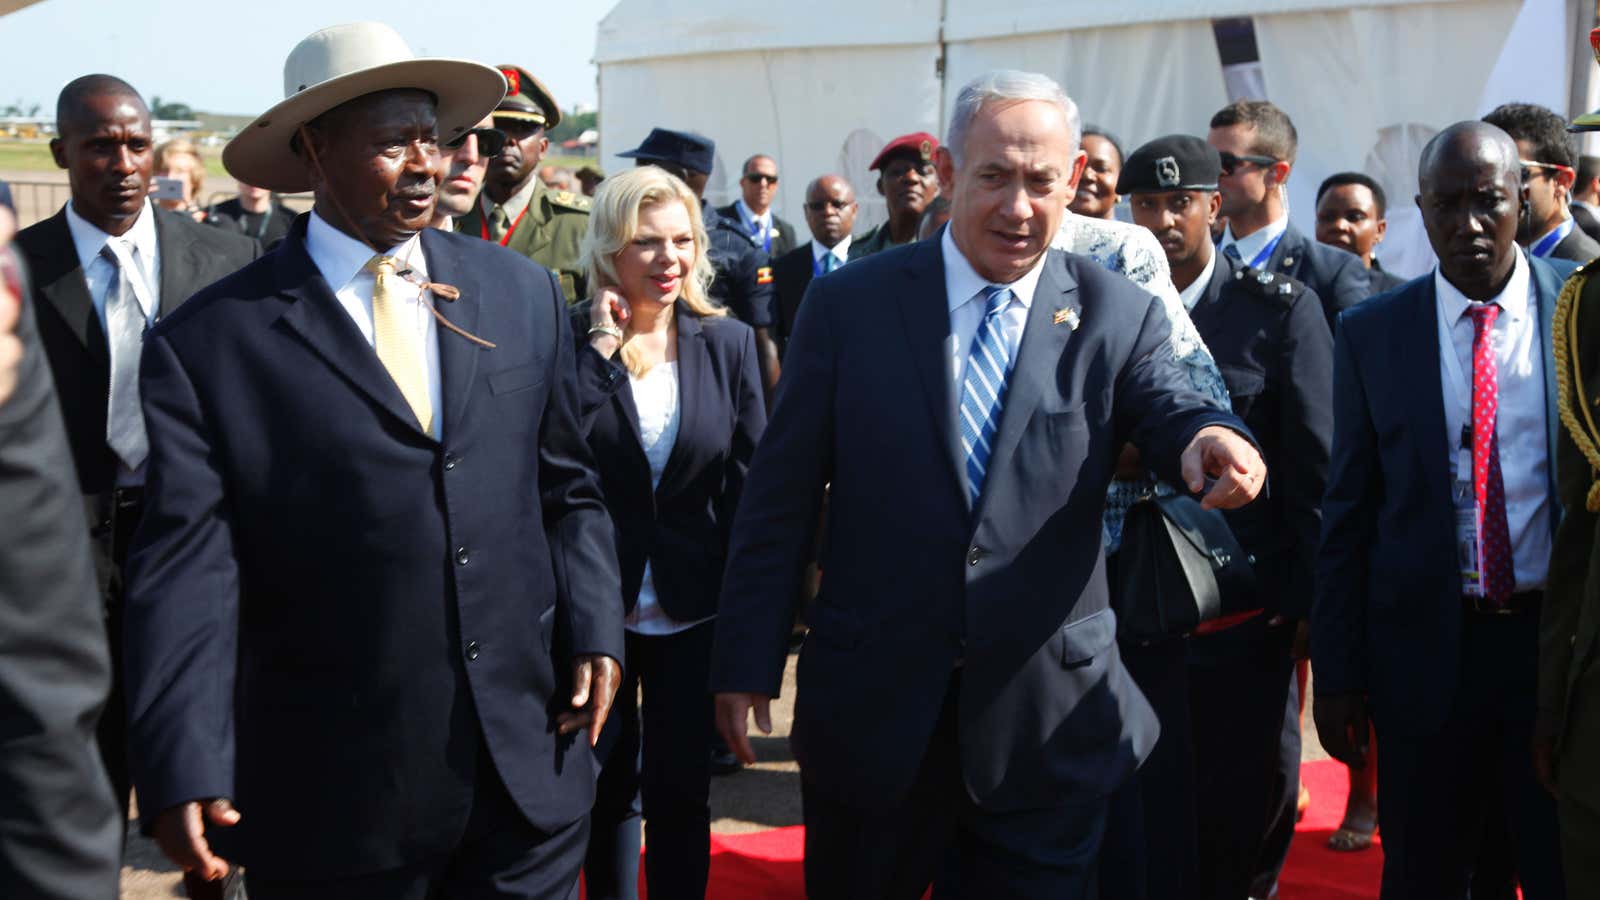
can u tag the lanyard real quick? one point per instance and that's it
(483, 226)
(1549, 241)
(1266, 252)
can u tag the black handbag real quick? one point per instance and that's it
(1181, 571)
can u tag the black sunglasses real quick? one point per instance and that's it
(756, 177)
(490, 141)
(1231, 162)
(820, 205)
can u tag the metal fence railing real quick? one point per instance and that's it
(37, 200)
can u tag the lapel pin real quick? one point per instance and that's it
(1288, 262)
(1068, 315)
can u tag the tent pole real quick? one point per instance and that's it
(940, 70)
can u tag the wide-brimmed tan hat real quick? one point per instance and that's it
(339, 64)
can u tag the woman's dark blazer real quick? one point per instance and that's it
(682, 526)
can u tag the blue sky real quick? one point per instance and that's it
(226, 56)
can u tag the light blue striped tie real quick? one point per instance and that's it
(983, 392)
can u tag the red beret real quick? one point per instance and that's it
(919, 143)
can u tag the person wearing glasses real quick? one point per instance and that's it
(464, 160)
(1549, 160)
(516, 209)
(1258, 143)
(759, 184)
(830, 214)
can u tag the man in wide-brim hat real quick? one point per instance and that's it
(372, 616)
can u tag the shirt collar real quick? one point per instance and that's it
(841, 250)
(1191, 294)
(962, 282)
(1513, 299)
(340, 257)
(88, 239)
(1252, 243)
(1557, 227)
(749, 218)
(516, 204)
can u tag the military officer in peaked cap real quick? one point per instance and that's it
(1271, 341)
(908, 183)
(515, 207)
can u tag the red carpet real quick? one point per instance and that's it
(765, 865)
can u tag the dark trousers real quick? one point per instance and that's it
(500, 857)
(1285, 793)
(656, 764)
(893, 854)
(1432, 788)
(1149, 852)
(1240, 684)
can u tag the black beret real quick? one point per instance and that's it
(1177, 162)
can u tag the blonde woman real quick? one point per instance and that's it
(180, 159)
(672, 401)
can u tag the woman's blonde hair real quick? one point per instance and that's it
(182, 147)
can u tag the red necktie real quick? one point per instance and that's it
(1499, 577)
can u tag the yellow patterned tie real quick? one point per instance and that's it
(394, 336)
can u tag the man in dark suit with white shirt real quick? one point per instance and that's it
(374, 603)
(960, 688)
(1258, 144)
(758, 185)
(830, 214)
(1548, 156)
(1437, 530)
(104, 268)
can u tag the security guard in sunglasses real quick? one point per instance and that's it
(515, 208)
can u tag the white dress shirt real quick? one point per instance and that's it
(342, 260)
(1253, 243)
(98, 271)
(963, 288)
(1191, 294)
(840, 251)
(1520, 421)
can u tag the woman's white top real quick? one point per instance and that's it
(655, 396)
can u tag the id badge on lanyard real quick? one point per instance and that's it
(1463, 494)
(1469, 536)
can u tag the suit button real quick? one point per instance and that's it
(462, 556)
(472, 649)
(450, 460)
(975, 555)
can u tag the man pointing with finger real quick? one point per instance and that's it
(374, 604)
(967, 399)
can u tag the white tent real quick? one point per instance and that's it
(823, 85)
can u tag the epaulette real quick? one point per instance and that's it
(1267, 284)
(569, 200)
(1570, 400)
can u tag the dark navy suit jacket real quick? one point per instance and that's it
(914, 578)
(1338, 276)
(1276, 356)
(683, 525)
(1387, 615)
(331, 615)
